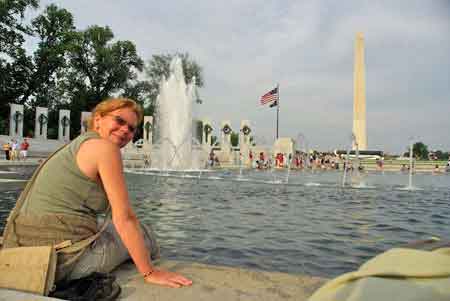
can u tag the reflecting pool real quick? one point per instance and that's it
(309, 226)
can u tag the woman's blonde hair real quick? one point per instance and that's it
(109, 105)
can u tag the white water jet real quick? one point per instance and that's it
(357, 177)
(410, 164)
(346, 161)
(173, 148)
(410, 186)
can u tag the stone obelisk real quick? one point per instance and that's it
(359, 95)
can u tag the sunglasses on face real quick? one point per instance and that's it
(120, 121)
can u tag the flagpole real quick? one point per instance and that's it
(278, 107)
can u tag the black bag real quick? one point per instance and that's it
(97, 286)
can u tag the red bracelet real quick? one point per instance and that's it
(148, 273)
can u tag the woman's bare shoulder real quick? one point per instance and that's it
(99, 143)
(94, 152)
(99, 147)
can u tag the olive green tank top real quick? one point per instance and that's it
(62, 188)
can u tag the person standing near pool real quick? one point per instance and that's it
(14, 151)
(24, 149)
(74, 187)
(6, 149)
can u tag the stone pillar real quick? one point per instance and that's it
(207, 132)
(359, 95)
(16, 120)
(84, 121)
(64, 125)
(244, 132)
(226, 135)
(244, 141)
(148, 130)
(40, 123)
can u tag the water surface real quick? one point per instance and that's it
(310, 226)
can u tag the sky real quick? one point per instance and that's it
(248, 47)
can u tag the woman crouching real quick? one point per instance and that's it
(68, 194)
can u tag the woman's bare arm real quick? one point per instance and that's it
(108, 163)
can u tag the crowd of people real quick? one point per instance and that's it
(300, 160)
(15, 151)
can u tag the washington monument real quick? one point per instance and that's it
(359, 95)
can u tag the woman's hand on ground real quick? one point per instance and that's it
(167, 278)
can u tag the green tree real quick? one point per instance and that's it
(234, 137)
(12, 29)
(98, 68)
(159, 66)
(140, 92)
(441, 155)
(214, 140)
(420, 151)
(55, 31)
(30, 80)
(14, 63)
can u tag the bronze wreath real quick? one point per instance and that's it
(226, 129)
(208, 129)
(148, 126)
(18, 116)
(65, 121)
(246, 130)
(43, 119)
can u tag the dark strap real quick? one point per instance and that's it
(12, 216)
(81, 246)
(65, 247)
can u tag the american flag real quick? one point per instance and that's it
(270, 96)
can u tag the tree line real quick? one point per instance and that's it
(73, 69)
(420, 151)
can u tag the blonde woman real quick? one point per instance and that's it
(77, 185)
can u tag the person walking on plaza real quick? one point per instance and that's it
(74, 188)
(24, 149)
(7, 149)
(261, 160)
(211, 158)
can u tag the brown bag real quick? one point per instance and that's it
(33, 269)
(29, 269)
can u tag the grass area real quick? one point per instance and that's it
(401, 162)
